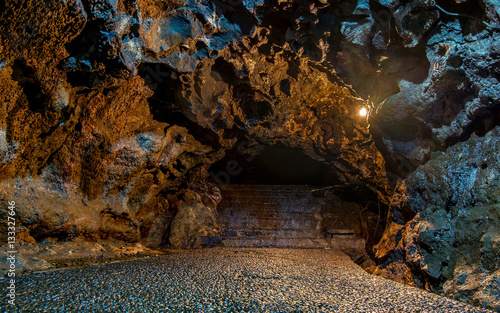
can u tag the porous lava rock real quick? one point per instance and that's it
(112, 113)
(444, 231)
(114, 110)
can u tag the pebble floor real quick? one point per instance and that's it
(224, 280)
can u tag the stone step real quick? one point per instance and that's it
(300, 214)
(269, 187)
(271, 223)
(264, 206)
(341, 233)
(270, 199)
(298, 243)
(283, 216)
(268, 193)
(280, 233)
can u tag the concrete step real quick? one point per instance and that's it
(268, 206)
(341, 233)
(271, 216)
(269, 187)
(268, 193)
(270, 199)
(280, 233)
(270, 213)
(298, 243)
(271, 223)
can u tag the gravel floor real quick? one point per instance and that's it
(225, 280)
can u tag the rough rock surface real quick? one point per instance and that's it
(49, 254)
(112, 113)
(244, 92)
(196, 218)
(444, 231)
(113, 110)
(458, 97)
(442, 226)
(94, 163)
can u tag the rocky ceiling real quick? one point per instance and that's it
(113, 112)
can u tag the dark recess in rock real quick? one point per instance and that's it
(276, 166)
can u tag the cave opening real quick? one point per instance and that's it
(273, 165)
(277, 196)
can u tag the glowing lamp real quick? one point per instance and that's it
(363, 112)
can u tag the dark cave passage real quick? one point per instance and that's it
(274, 165)
(281, 197)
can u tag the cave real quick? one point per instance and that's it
(273, 165)
(250, 156)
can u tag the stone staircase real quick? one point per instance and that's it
(279, 216)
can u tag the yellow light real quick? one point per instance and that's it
(363, 112)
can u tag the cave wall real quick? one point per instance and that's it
(439, 139)
(443, 231)
(82, 154)
(113, 112)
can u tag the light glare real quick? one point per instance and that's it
(363, 112)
